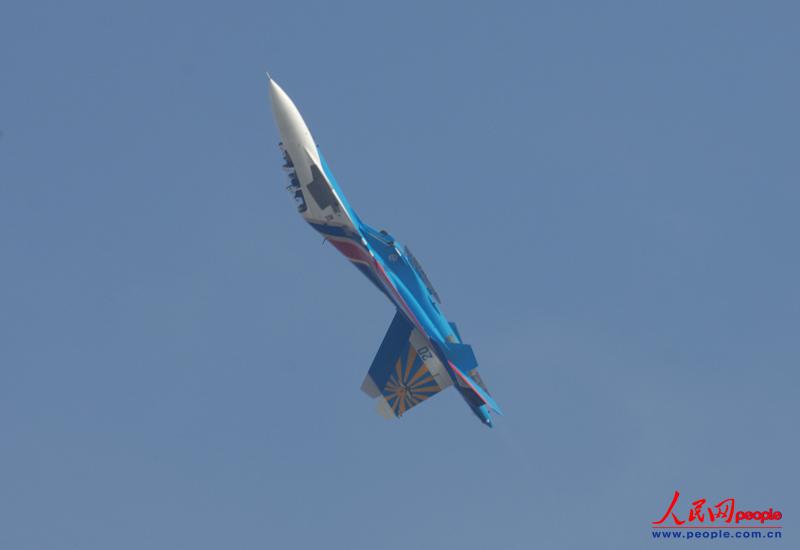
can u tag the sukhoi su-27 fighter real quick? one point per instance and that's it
(422, 353)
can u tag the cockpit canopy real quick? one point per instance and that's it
(386, 237)
(421, 272)
(383, 238)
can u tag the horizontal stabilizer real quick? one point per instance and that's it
(468, 383)
(465, 366)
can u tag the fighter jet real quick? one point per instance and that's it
(422, 353)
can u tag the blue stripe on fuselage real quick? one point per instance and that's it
(407, 282)
(410, 301)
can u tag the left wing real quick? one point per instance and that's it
(405, 372)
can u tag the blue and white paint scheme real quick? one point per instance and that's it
(422, 352)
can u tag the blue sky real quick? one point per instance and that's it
(605, 195)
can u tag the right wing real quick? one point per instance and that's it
(405, 372)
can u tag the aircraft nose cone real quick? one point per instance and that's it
(294, 133)
(275, 91)
(286, 115)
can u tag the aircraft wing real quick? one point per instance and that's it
(405, 372)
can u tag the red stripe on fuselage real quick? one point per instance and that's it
(351, 250)
(357, 253)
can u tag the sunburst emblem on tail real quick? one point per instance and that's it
(410, 384)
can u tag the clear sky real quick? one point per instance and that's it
(605, 195)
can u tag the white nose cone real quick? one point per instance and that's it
(295, 136)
